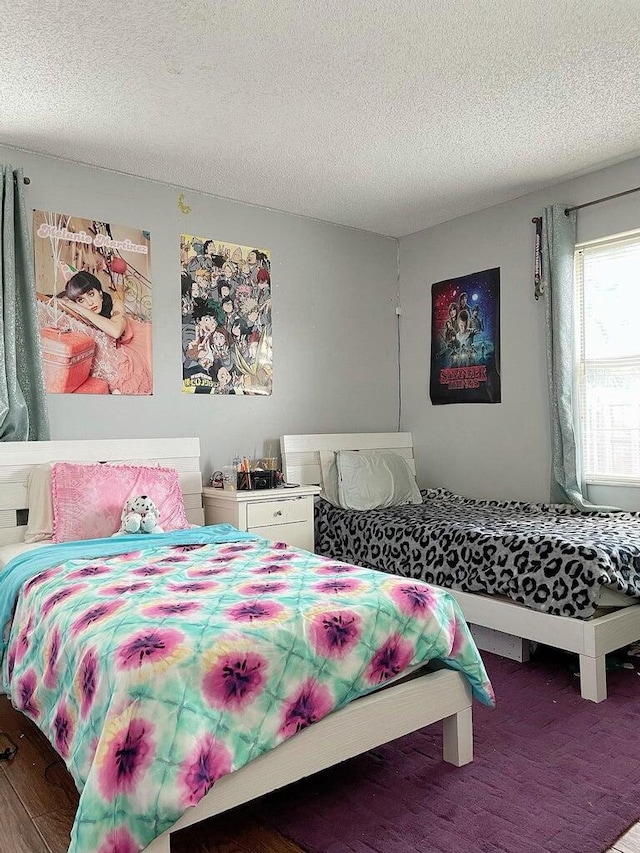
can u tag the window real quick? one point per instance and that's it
(607, 279)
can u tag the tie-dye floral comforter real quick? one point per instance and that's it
(156, 672)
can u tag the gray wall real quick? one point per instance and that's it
(334, 324)
(500, 450)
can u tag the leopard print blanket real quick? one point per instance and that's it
(550, 557)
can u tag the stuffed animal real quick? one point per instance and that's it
(139, 515)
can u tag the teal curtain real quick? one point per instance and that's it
(23, 403)
(557, 249)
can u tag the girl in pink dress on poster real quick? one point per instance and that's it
(84, 296)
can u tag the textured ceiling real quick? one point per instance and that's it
(386, 115)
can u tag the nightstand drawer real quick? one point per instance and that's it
(281, 515)
(280, 511)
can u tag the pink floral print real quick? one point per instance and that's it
(94, 615)
(89, 571)
(172, 608)
(253, 611)
(264, 588)
(235, 680)
(63, 729)
(60, 595)
(208, 762)
(310, 703)
(336, 586)
(413, 598)
(51, 659)
(87, 681)
(25, 694)
(124, 756)
(335, 634)
(390, 659)
(119, 589)
(119, 841)
(149, 647)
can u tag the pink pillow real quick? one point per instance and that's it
(88, 499)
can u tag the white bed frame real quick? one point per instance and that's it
(423, 698)
(17, 459)
(591, 639)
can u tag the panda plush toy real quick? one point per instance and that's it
(139, 515)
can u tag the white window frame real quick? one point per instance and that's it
(612, 485)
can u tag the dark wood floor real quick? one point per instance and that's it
(38, 801)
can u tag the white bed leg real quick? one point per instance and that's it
(593, 678)
(457, 732)
(161, 844)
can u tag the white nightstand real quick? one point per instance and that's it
(282, 515)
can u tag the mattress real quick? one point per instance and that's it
(8, 552)
(612, 598)
(548, 557)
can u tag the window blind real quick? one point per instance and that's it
(607, 275)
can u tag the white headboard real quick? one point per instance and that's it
(17, 458)
(301, 462)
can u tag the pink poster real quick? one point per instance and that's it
(93, 284)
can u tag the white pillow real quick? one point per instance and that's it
(329, 477)
(40, 520)
(40, 503)
(375, 479)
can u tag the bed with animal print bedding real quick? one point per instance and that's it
(549, 557)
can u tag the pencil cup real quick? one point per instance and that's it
(244, 480)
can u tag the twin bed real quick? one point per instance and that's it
(158, 665)
(533, 572)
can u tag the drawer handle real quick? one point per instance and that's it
(278, 512)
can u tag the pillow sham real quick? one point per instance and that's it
(40, 503)
(375, 479)
(88, 499)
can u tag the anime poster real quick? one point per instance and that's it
(465, 339)
(93, 284)
(226, 318)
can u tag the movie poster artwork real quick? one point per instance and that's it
(93, 288)
(226, 317)
(465, 339)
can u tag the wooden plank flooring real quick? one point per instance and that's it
(37, 809)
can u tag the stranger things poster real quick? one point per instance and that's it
(465, 339)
